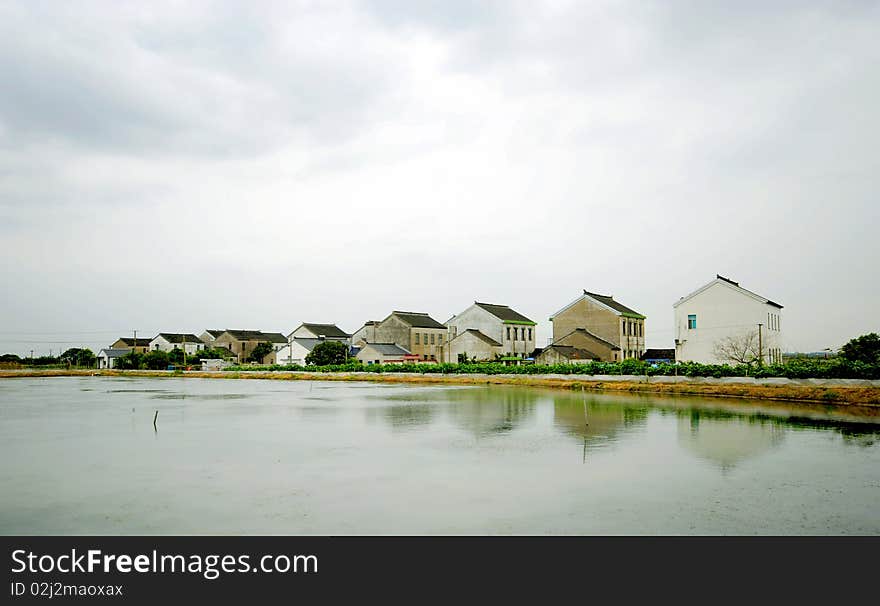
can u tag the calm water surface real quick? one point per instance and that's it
(80, 456)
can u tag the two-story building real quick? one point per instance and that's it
(243, 342)
(723, 314)
(486, 330)
(417, 332)
(137, 345)
(169, 341)
(330, 332)
(599, 324)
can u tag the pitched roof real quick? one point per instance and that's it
(503, 312)
(327, 330)
(388, 349)
(215, 333)
(417, 319)
(309, 344)
(131, 341)
(257, 335)
(604, 300)
(719, 279)
(479, 335)
(593, 336)
(174, 337)
(610, 302)
(112, 352)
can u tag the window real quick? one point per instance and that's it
(440, 339)
(692, 321)
(641, 329)
(508, 333)
(432, 339)
(417, 338)
(530, 334)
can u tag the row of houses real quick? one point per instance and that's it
(591, 327)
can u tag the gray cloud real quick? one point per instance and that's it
(177, 167)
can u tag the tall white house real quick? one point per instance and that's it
(722, 315)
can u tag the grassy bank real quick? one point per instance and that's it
(832, 396)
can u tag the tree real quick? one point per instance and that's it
(130, 361)
(10, 358)
(260, 351)
(741, 349)
(328, 352)
(76, 356)
(156, 360)
(862, 349)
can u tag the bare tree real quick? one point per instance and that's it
(741, 349)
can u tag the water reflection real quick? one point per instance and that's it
(409, 415)
(491, 411)
(725, 442)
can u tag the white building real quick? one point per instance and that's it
(296, 350)
(385, 353)
(169, 341)
(502, 330)
(330, 332)
(723, 311)
(108, 357)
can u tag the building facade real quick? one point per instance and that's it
(721, 313)
(606, 319)
(241, 343)
(513, 332)
(385, 353)
(416, 332)
(168, 341)
(139, 345)
(330, 332)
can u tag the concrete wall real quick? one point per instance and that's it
(724, 311)
(160, 344)
(511, 336)
(394, 330)
(582, 340)
(473, 346)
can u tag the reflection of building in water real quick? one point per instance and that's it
(403, 416)
(491, 410)
(727, 441)
(591, 421)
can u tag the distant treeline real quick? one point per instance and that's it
(804, 368)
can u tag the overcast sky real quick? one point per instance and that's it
(178, 166)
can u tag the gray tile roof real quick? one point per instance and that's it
(593, 336)
(327, 330)
(112, 352)
(610, 302)
(257, 335)
(174, 337)
(503, 312)
(131, 341)
(418, 319)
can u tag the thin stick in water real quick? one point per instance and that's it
(155, 416)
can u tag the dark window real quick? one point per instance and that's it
(692, 321)
(508, 333)
(417, 338)
(530, 334)
(432, 339)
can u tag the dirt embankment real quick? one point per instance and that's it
(830, 395)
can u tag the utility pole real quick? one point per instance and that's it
(184, 351)
(760, 346)
(135, 344)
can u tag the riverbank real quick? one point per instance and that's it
(829, 392)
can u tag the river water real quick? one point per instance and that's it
(80, 455)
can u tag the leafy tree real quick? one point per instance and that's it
(10, 358)
(214, 353)
(862, 349)
(130, 361)
(260, 351)
(328, 352)
(76, 356)
(156, 360)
